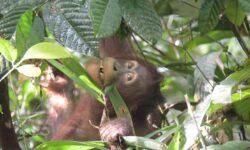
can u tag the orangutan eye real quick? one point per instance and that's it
(129, 65)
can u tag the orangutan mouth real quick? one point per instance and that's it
(101, 73)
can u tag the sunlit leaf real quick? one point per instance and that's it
(178, 140)
(241, 103)
(7, 50)
(23, 31)
(222, 92)
(29, 70)
(46, 50)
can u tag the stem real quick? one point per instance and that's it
(195, 122)
(240, 40)
(13, 68)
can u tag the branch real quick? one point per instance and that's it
(8, 138)
(240, 40)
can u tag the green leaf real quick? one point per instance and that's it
(234, 12)
(9, 21)
(142, 18)
(210, 37)
(166, 132)
(207, 65)
(23, 31)
(231, 145)
(29, 70)
(222, 92)
(106, 17)
(187, 8)
(37, 33)
(163, 7)
(209, 14)
(245, 5)
(74, 71)
(46, 50)
(178, 141)
(70, 145)
(7, 50)
(144, 142)
(118, 103)
(70, 24)
(241, 103)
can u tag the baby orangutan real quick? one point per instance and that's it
(136, 80)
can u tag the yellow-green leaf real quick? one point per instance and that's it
(46, 50)
(29, 70)
(7, 50)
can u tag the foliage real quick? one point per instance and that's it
(200, 46)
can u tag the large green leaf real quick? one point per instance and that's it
(7, 50)
(233, 12)
(6, 3)
(37, 33)
(245, 5)
(209, 14)
(9, 21)
(46, 50)
(68, 20)
(106, 16)
(142, 18)
(10, 5)
(23, 31)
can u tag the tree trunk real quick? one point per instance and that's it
(8, 138)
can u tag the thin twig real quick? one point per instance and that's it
(240, 40)
(195, 122)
